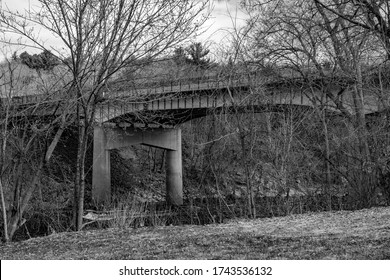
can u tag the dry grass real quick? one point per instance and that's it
(363, 234)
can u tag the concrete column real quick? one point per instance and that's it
(174, 172)
(113, 138)
(101, 174)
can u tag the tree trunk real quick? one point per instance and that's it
(80, 175)
(327, 160)
(4, 212)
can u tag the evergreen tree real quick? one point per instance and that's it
(43, 61)
(197, 55)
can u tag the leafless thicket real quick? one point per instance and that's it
(338, 50)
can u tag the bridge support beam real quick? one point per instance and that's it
(174, 173)
(101, 169)
(106, 139)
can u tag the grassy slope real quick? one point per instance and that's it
(363, 234)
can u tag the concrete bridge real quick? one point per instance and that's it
(158, 110)
(150, 114)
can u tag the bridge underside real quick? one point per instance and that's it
(155, 129)
(171, 118)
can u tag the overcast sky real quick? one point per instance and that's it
(216, 27)
(225, 12)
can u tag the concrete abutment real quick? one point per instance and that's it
(107, 138)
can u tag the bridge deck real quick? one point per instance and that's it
(195, 97)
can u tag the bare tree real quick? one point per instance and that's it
(6, 90)
(368, 15)
(100, 38)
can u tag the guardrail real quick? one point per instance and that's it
(159, 85)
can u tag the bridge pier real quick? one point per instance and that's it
(174, 173)
(101, 168)
(107, 139)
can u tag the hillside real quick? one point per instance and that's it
(363, 234)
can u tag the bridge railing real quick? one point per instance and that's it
(209, 82)
(33, 98)
(142, 87)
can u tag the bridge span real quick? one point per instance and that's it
(158, 110)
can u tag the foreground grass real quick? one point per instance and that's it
(363, 234)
